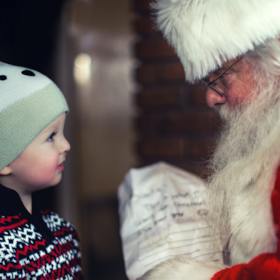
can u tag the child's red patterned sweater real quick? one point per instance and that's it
(37, 246)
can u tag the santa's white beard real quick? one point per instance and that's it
(245, 159)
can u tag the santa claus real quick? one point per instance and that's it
(233, 47)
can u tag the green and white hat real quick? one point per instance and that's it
(29, 102)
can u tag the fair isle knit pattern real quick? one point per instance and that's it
(37, 247)
(25, 254)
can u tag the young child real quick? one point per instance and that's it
(34, 244)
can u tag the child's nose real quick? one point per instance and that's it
(65, 147)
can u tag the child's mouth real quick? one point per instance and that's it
(60, 167)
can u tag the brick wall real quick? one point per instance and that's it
(174, 123)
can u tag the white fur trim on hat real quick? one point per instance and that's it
(206, 33)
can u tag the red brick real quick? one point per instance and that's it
(198, 95)
(147, 74)
(163, 148)
(147, 124)
(202, 148)
(190, 122)
(197, 169)
(154, 49)
(145, 26)
(171, 72)
(155, 73)
(168, 118)
(158, 98)
(142, 5)
(186, 122)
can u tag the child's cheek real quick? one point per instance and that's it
(45, 170)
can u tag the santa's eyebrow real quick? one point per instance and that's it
(218, 71)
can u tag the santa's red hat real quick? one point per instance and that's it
(206, 33)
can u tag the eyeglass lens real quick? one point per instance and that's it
(213, 83)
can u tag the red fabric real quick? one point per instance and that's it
(264, 266)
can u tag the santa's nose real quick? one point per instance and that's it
(213, 99)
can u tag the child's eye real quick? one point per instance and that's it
(50, 138)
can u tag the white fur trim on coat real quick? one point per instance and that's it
(181, 268)
(206, 33)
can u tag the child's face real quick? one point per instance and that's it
(40, 165)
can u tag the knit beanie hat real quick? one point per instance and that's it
(29, 102)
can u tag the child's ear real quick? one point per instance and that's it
(6, 170)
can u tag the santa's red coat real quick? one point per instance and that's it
(265, 266)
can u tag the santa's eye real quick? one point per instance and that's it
(223, 75)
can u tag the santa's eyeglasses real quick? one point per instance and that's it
(214, 83)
